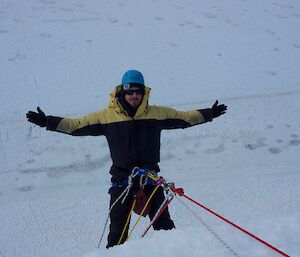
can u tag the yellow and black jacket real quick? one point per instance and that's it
(133, 141)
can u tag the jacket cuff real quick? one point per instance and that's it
(207, 114)
(52, 122)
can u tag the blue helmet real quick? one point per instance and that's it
(133, 76)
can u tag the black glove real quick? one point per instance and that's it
(218, 109)
(211, 113)
(39, 118)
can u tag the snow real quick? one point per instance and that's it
(66, 56)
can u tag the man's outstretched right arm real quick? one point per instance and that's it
(89, 125)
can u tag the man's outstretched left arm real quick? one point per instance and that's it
(173, 119)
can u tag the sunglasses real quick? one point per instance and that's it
(132, 91)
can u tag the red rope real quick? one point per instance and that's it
(181, 193)
(158, 215)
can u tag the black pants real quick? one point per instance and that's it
(120, 212)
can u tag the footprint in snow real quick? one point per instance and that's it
(31, 171)
(274, 150)
(112, 20)
(159, 18)
(173, 45)
(47, 1)
(260, 142)
(3, 31)
(190, 152)
(17, 57)
(178, 7)
(45, 35)
(270, 31)
(294, 142)
(168, 156)
(280, 16)
(210, 16)
(198, 26)
(296, 46)
(30, 161)
(218, 8)
(296, 15)
(218, 149)
(65, 9)
(189, 22)
(272, 73)
(230, 22)
(25, 189)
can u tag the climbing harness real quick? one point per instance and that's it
(147, 177)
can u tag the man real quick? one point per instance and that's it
(132, 128)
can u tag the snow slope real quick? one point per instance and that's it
(67, 56)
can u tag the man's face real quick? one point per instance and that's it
(134, 96)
